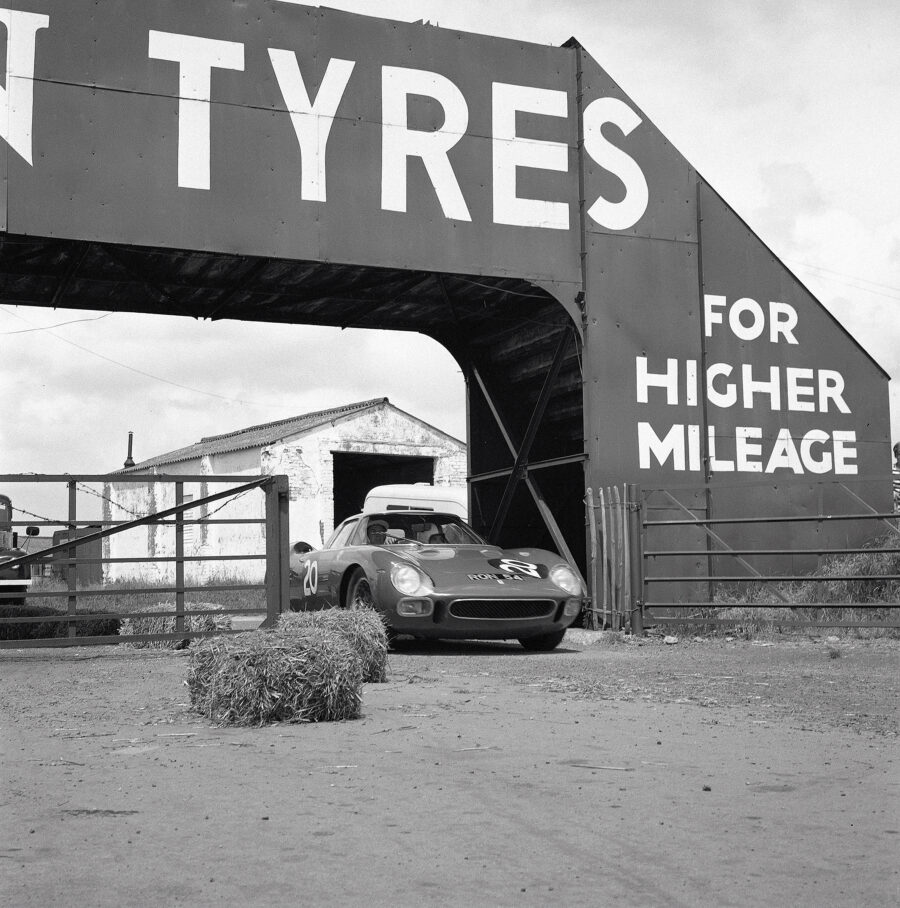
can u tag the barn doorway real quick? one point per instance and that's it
(355, 474)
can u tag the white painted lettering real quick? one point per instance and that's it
(399, 142)
(196, 58)
(815, 437)
(831, 388)
(784, 454)
(726, 398)
(711, 304)
(511, 151)
(667, 380)
(312, 121)
(690, 377)
(747, 318)
(661, 448)
(748, 449)
(715, 464)
(757, 319)
(844, 451)
(627, 212)
(751, 386)
(783, 319)
(693, 441)
(745, 449)
(793, 377)
(17, 99)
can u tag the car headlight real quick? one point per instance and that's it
(566, 579)
(409, 580)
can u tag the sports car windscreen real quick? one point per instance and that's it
(402, 528)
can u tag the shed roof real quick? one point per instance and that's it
(269, 433)
(258, 436)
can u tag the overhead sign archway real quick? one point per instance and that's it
(615, 320)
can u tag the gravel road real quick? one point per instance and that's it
(707, 772)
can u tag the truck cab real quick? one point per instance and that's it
(14, 581)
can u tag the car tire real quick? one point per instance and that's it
(544, 643)
(359, 595)
(359, 591)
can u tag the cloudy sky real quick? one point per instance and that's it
(789, 108)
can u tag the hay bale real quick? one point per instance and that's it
(165, 624)
(312, 675)
(363, 628)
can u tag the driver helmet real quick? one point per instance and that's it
(375, 532)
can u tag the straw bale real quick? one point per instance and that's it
(363, 628)
(313, 675)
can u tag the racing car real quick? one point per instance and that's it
(431, 575)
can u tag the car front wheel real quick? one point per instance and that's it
(543, 643)
(359, 592)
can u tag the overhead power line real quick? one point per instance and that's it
(116, 362)
(74, 321)
(853, 282)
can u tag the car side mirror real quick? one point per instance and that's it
(301, 548)
(32, 531)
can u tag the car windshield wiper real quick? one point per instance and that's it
(398, 540)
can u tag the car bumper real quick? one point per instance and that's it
(484, 619)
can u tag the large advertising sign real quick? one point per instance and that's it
(273, 129)
(269, 129)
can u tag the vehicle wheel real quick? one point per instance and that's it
(544, 643)
(359, 593)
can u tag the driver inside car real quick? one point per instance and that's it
(375, 532)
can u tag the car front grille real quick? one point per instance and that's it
(502, 609)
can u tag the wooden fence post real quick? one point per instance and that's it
(179, 559)
(618, 565)
(594, 573)
(636, 616)
(605, 571)
(277, 559)
(72, 567)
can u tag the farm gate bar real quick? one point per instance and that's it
(274, 553)
(614, 319)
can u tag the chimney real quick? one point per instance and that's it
(129, 460)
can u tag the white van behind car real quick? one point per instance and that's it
(418, 497)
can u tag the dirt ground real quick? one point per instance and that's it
(707, 772)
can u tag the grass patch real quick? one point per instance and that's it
(858, 602)
(125, 599)
(159, 624)
(102, 625)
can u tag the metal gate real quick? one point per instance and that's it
(178, 519)
(665, 554)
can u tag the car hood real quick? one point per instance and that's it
(454, 563)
